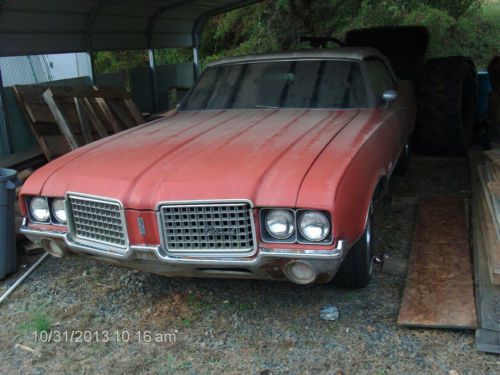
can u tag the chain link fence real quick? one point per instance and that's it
(24, 70)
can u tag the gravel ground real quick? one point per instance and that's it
(237, 326)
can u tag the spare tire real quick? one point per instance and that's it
(494, 103)
(446, 102)
(404, 46)
(494, 73)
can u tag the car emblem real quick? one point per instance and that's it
(210, 230)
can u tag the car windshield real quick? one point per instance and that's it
(279, 84)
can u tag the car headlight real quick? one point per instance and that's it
(59, 210)
(39, 209)
(314, 226)
(280, 224)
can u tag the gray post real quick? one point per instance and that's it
(154, 79)
(88, 54)
(90, 63)
(196, 54)
(3, 122)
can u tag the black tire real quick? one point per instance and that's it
(403, 162)
(357, 268)
(446, 102)
(494, 112)
(404, 46)
(494, 73)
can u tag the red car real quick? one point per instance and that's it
(268, 169)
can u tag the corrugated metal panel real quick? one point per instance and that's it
(29, 27)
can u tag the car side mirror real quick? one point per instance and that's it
(389, 96)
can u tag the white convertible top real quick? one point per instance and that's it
(341, 53)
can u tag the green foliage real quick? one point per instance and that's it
(167, 56)
(116, 61)
(457, 27)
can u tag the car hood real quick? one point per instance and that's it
(259, 155)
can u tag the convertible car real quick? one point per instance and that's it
(268, 169)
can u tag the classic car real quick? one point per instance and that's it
(268, 169)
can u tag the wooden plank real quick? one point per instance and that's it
(493, 204)
(84, 120)
(489, 231)
(487, 295)
(488, 341)
(94, 119)
(60, 119)
(494, 188)
(39, 112)
(103, 105)
(20, 158)
(122, 115)
(18, 94)
(439, 287)
(136, 115)
(58, 145)
(33, 93)
(494, 156)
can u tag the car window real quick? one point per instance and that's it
(379, 77)
(280, 84)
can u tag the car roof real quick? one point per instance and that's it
(340, 53)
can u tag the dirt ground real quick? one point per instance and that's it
(209, 326)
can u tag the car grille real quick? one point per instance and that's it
(208, 228)
(97, 220)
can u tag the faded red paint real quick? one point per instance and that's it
(319, 159)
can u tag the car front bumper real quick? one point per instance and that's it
(267, 263)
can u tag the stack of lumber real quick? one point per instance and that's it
(485, 174)
(65, 118)
(494, 95)
(488, 209)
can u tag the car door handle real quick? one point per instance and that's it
(403, 109)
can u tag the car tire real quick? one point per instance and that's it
(403, 162)
(494, 73)
(446, 103)
(404, 46)
(357, 268)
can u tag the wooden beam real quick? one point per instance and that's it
(94, 119)
(439, 286)
(494, 156)
(84, 120)
(20, 99)
(124, 118)
(60, 119)
(103, 105)
(136, 115)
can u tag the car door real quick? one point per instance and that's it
(395, 114)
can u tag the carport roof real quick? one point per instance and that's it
(29, 27)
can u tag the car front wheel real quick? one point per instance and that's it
(357, 268)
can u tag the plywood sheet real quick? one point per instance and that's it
(439, 286)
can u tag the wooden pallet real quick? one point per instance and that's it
(65, 118)
(485, 244)
(439, 286)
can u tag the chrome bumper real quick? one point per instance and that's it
(265, 262)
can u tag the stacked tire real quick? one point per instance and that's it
(494, 97)
(446, 101)
(404, 46)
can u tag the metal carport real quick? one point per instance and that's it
(29, 27)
